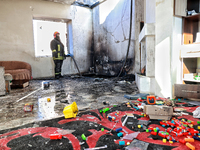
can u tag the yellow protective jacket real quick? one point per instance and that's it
(57, 49)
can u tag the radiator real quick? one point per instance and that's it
(2, 81)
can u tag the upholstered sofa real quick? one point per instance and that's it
(20, 71)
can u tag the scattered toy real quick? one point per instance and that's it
(151, 100)
(104, 110)
(83, 137)
(28, 107)
(71, 110)
(55, 136)
(48, 99)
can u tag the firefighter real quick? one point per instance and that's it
(58, 54)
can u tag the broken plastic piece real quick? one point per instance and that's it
(81, 143)
(125, 131)
(124, 121)
(136, 144)
(131, 136)
(96, 148)
(128, 115)
(112, 128)
(144, 122)
(64, 132)
(196, 113)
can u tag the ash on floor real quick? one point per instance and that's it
(88, 92)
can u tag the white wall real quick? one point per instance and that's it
(164, 29)
(16, 34)
(149, 15)
(168, 44)
(175, 53)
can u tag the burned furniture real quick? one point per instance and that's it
(20, 71)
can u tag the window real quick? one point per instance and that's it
(43, 34)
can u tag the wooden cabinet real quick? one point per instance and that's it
(190, 88)
(187, 91)
(189, 58)
(182, 6)
(190, 48)
(190, 29)
(190, 25)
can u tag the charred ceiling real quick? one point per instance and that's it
(84, 3)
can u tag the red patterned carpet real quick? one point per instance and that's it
(95, 127)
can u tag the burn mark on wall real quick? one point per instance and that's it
(104, 64)
(91, 49)
(111, 40)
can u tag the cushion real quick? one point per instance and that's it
(20, 74)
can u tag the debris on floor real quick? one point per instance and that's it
(196, 113)
(117, 126)
(115, 117)
(28, 107)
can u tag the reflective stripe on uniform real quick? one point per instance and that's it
(53, 50)
(60, 58)
(58, 47)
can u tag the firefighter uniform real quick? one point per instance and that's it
(58, 54)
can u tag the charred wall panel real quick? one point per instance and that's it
(111, 39)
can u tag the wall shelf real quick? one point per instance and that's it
(195, 17)
(190, 50)
(191, 80)
(189, 59)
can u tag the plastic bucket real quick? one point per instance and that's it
(71, 110)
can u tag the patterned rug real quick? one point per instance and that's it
(107, 131)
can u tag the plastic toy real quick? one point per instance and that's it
(189, 139)
(118, 129)
(119, 134)
(71, 110)
(55, 136)
(164, 140)
(151, 100)
(190, 146)
(83, 137)
(182, 141)
(104, 110)
(121, 142)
